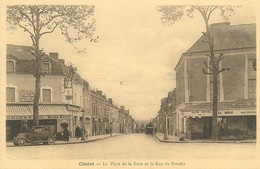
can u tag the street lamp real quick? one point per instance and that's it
(166, 130)
(83, 129)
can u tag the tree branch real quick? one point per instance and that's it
(220, 58)
(46, 23)
(30, 20)
(223, 69)
(208, 66)
(51, 30)
(210, 12)
(27, 30)
(32, 53)
(33, 41)
(207, 73)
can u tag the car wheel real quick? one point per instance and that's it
(21, 141)
(51, 141)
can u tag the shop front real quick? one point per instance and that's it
(20, 116)
(232, 124)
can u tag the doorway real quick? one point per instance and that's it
(207, 128)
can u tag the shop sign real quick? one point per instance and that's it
(26, 96)
(19, 117)
(72, 108)
(40, 117)
(55, 117)
(206, 113)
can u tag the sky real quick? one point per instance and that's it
(134, 47)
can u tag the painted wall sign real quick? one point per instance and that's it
(207, 113)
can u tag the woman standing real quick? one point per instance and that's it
(66, 134)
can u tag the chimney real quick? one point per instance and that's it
(105, 96)
(110, 100)
(61, 61)
(54, 55)
(122, 108)
(99, 92)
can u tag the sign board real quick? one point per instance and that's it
(207, 113)
(26, 96)
(40, 117)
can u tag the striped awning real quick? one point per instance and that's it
(27, 110)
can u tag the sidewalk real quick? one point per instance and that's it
(75, 140)
(175, 139)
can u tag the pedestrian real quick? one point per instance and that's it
(155, 130)
(65, 135)
(77, 133)
(83, 133)
(110, 131)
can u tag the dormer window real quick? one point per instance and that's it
(46, 67)
(10, 66)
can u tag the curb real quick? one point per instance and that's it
(86, 141)
(237, 142)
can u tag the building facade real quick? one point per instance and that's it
(65, 97)
(237, 87)
(20, 84)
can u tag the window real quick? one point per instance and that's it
(46, 68)
(46, 95)
(10, 94)
(251, 123)
(252, 65)
(251, 88)
(10, 66)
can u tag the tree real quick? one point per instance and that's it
(171, 14)
(75, 22)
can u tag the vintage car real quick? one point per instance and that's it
(149, 129)
(36, 134)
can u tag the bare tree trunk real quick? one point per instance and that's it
(37, 85)
(215, 107)
(37, 73)
(215, 70)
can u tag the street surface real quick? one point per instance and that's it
(134, 146)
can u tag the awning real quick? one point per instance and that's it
(45, 111)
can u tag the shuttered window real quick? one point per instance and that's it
(252, 88)
(46, 95)
(10, 66)
(10, 94)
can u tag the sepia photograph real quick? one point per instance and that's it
(127, 84)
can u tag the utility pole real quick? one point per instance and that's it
(83, 121)
(166, 130)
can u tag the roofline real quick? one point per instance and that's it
(248, 47)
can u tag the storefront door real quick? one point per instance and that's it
(207, 128)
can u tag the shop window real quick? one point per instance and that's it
(252, 65)
(252, 88)
(251, 123)
(46, 95)
(10, 66)
(46, 68)
(10, 94)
